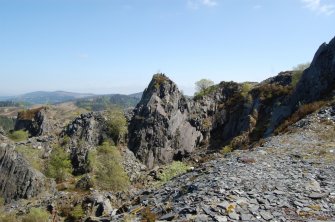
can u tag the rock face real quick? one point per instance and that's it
(34, 121)
(160, 129)
(167, 126)
(85, 133)
(17, 178)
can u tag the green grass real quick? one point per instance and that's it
(32, 155)
(36, 215)
(174, 169)
(18, 136)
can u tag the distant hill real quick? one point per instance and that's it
(43, 97)
(103, 102)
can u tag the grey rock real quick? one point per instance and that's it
(266, 215)
(234, 216)
(169, 217)
(318, 195)
(160, 130)
(18, 179)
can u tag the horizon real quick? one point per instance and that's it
(104, 47)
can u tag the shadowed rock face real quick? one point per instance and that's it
(86, 132)
(17, 178)
(34, 121)
(160, 129)
(319, 79)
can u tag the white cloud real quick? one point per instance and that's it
(319, 7)
(196, 4)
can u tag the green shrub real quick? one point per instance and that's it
(59, 164)
(246, 88)
(32, 155)
(108, 170)
(174, 169)
(117, 125)
(226, 150)
(77, 213)
(19, 135)
(36, 215)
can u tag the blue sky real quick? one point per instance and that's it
(115, 46)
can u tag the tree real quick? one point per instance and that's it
(302, 66)
(203, 84)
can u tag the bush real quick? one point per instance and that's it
(174, 169)
(36, 215)
(117, 125)
(32, 155)
(59, 164)
(227, 149)
(109, 173)
(19, 135)
(77, 213)
(246, 88)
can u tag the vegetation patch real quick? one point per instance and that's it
(107, 168)
(159, 79)
(271, 91)
(174, 169)
(205, 92)
(18, 136)
(32, 155)
(303, 111)
(225, 150)
(59, 165)
(117, 125)
(36, 215)
(29, 114)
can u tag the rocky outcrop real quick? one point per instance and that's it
(290, 178)
(166, 125)
(319, 79)
(85, 133)
(35, 121)
(17, 178)
(160, 129)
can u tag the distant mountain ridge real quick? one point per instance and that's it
(44, 97)
(89, 100)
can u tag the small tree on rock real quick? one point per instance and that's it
(203, 84)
